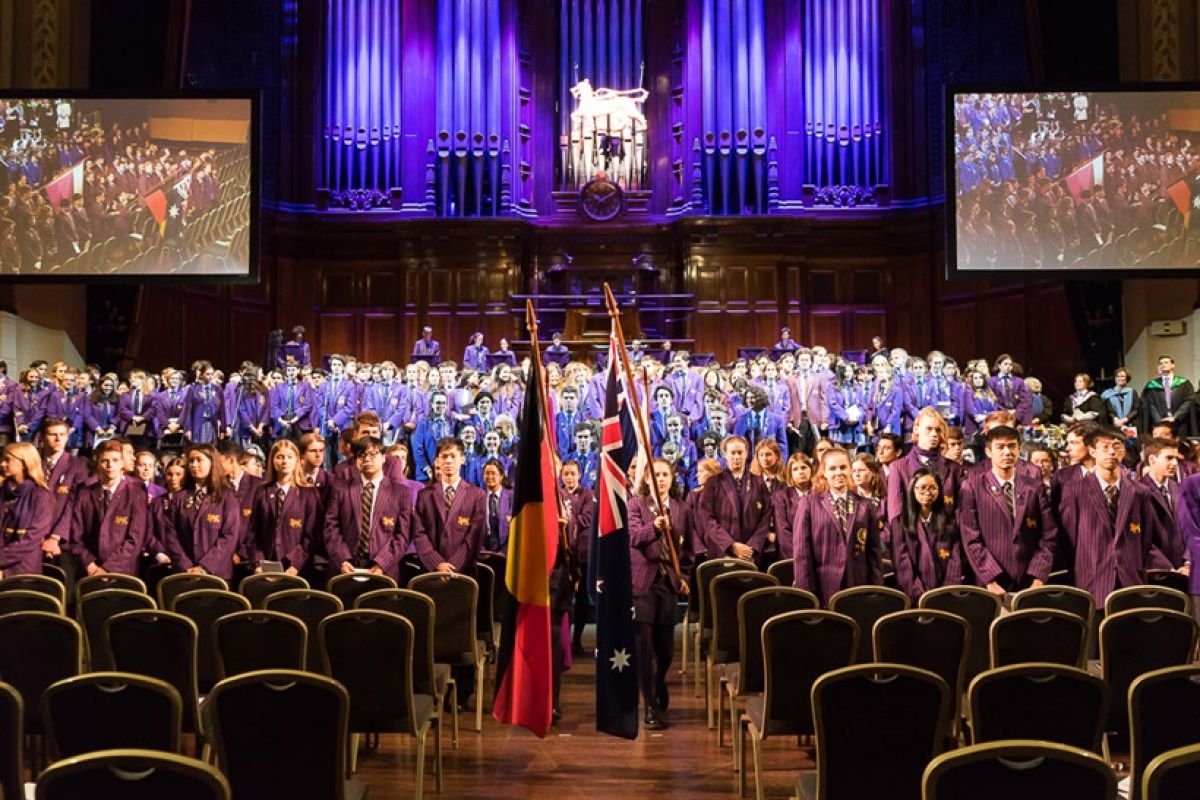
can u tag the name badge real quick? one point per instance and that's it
(215, 519)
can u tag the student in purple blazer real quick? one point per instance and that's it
(656, 586)
(582, 507)
(397, 469)
(1011, 392)
(368, 425)
(929, 431)
(1189, 527)
(797, 477)
(927, 549)
(200, 526)
(1009, 544)
(110, 518)
(26, 510)
(734, 513)
(290, 406)
(203, 414)
(245, 487)
(287, 513)
(64, 473)
(1161, 478)
(1109, 518)
(498, 505)
(373, 540)
(451, 515)
(27, 407)
(836, 534)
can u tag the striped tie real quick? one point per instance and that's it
(364, 522)
(1010, 500)
(1110, 499)
(449, 495)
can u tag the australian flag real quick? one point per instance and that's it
(611, 581)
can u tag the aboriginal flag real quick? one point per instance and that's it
(525, 679)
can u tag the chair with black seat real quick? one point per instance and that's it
(705, 573)
(798, 647)
(204, 607)
(108, 580)
(111, 710)
(257, 588)
(1146, 596)
(907, 708)
(1174, 775)
(1164, 713)
(429, 677)
(1040, 635)
(310, 606)
(1168, 578)
(1049, 702)
(15, 600)
(1133, 643)
(1027, 769)
(132, 775)
(36, 650)
(160, 644)
(866, 605)
(745, 678)
(250, 641)
(784, 571)
(348, 587)
(52, 570)
(485, 614)
(936, 641)
(454, 643)
(283, 733)
(1061, 598)
(172, 586)
(37, 583)
(723, 594)
(371, 654)
(95, 609)
(978, 607)
(12, 741)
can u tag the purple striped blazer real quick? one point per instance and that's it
(830, 557)
(1002, 547)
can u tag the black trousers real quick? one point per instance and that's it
(654, 613)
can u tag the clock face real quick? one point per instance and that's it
(601, 200)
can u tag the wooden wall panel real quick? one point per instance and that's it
(336, 334)
(825, 327)
(380, 338)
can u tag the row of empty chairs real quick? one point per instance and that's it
(198, 634)
(958, 633)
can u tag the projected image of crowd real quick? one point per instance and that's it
(82, 193)
(1075, 180)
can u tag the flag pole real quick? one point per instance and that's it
(614, 313)
(539, 375)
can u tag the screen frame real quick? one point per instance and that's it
(953, 273)
(253, 274)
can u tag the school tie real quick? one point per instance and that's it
(1166, 382)
(1166, 493)
(105, 500)
(1110, 497)
(448, 494)
(364, 522)
(280, 496)
(291, 406)
(493, 542)
(1009, 499)
(841, 510)
(1008, 389)
(137, 403)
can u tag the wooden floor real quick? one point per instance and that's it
(575, 761)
